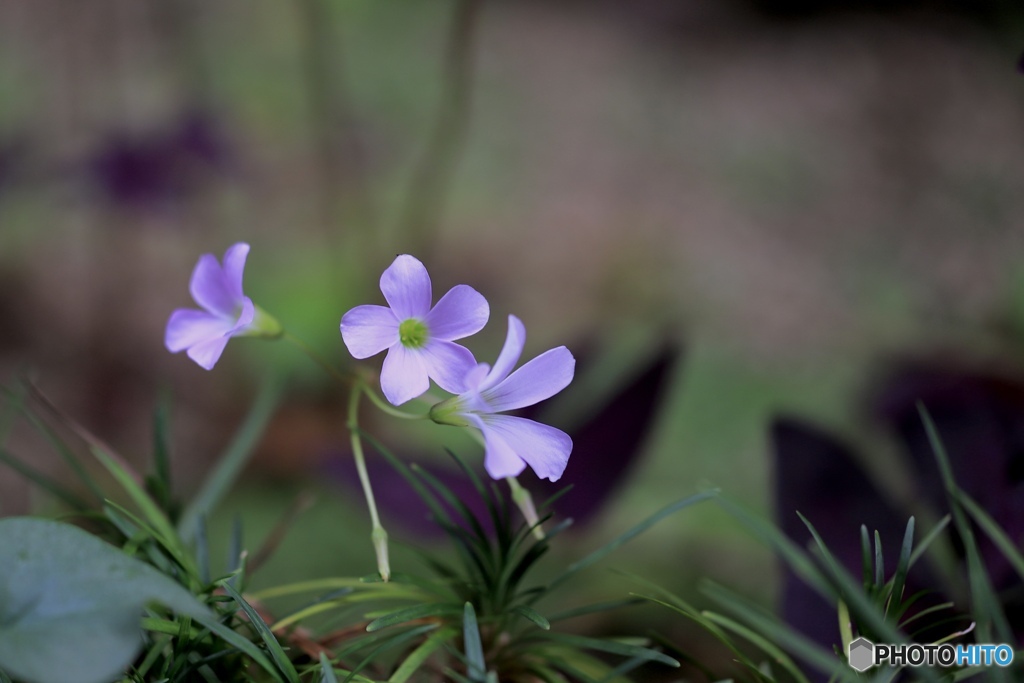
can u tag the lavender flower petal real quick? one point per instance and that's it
(447, 363)
(406, 286)
(234, 269)
(500, 459)
(539, 379)
(459, 313)
(367, 330)
(515, 340)
(210, 289)
(207, 353)
(188, 327)
(544, 448)
(403, 376)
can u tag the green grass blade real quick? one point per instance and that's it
(595, 608)
(929, 538)
(422, 653)
(242, 644)
(44, 482)
(234, 459)
(629, 535)
(765, 644)
(160, 526)
(986, 608)
(411, 613)
(899, 579)
(994, 532)
(387, 643)
(277, 653)
(162, 453)
(615, 647)
(879, 561)
(764, 623)
(865, 558)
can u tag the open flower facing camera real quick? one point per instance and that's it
(419, 339)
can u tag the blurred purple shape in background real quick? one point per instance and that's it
(161, 168)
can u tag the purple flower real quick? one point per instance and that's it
(419, 339)
(226, 313)
(512, 443)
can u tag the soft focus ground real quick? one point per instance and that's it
(795, 201)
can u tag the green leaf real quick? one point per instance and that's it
(233, 461)
(532, 615)
(66, 596)
(326, 670)
(421, 654)
(615, 647)
(411, 613)
(476, 666)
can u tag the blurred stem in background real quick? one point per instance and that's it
(345, 201)
(432, 176)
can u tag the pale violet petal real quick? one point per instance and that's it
(245, 317)
(545, 449)
(406, 286)
(500, 460)
(187, 327)
(510, 353)
(207, 353)
(459, 313)
(541, 378)
(368, 330)
(209, 287)
(403, 376)
(447, 363)
(234, 268)
(475, 376)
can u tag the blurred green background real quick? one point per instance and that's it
(795, 193)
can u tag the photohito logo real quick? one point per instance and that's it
(863, 654)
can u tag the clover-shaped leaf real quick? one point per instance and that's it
(71, 605)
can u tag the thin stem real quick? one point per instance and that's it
(524, 501)
(378, 535)
(386, 407)
(319, 360)
(433, 174)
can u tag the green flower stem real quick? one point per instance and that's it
(386, 407)
(318, 359)
(378, 536)
(524, 501)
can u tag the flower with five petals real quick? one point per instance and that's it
(226, 313)
(511, 443)
(419, 338)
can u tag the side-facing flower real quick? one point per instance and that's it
(226, 313)
(419, 339)
(512, 443)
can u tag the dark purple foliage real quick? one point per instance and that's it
(980, 420)
(607, 444)
(162, 168)
(819, 477)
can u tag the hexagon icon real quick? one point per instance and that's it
(862, 654)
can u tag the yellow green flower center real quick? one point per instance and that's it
(412, 333)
